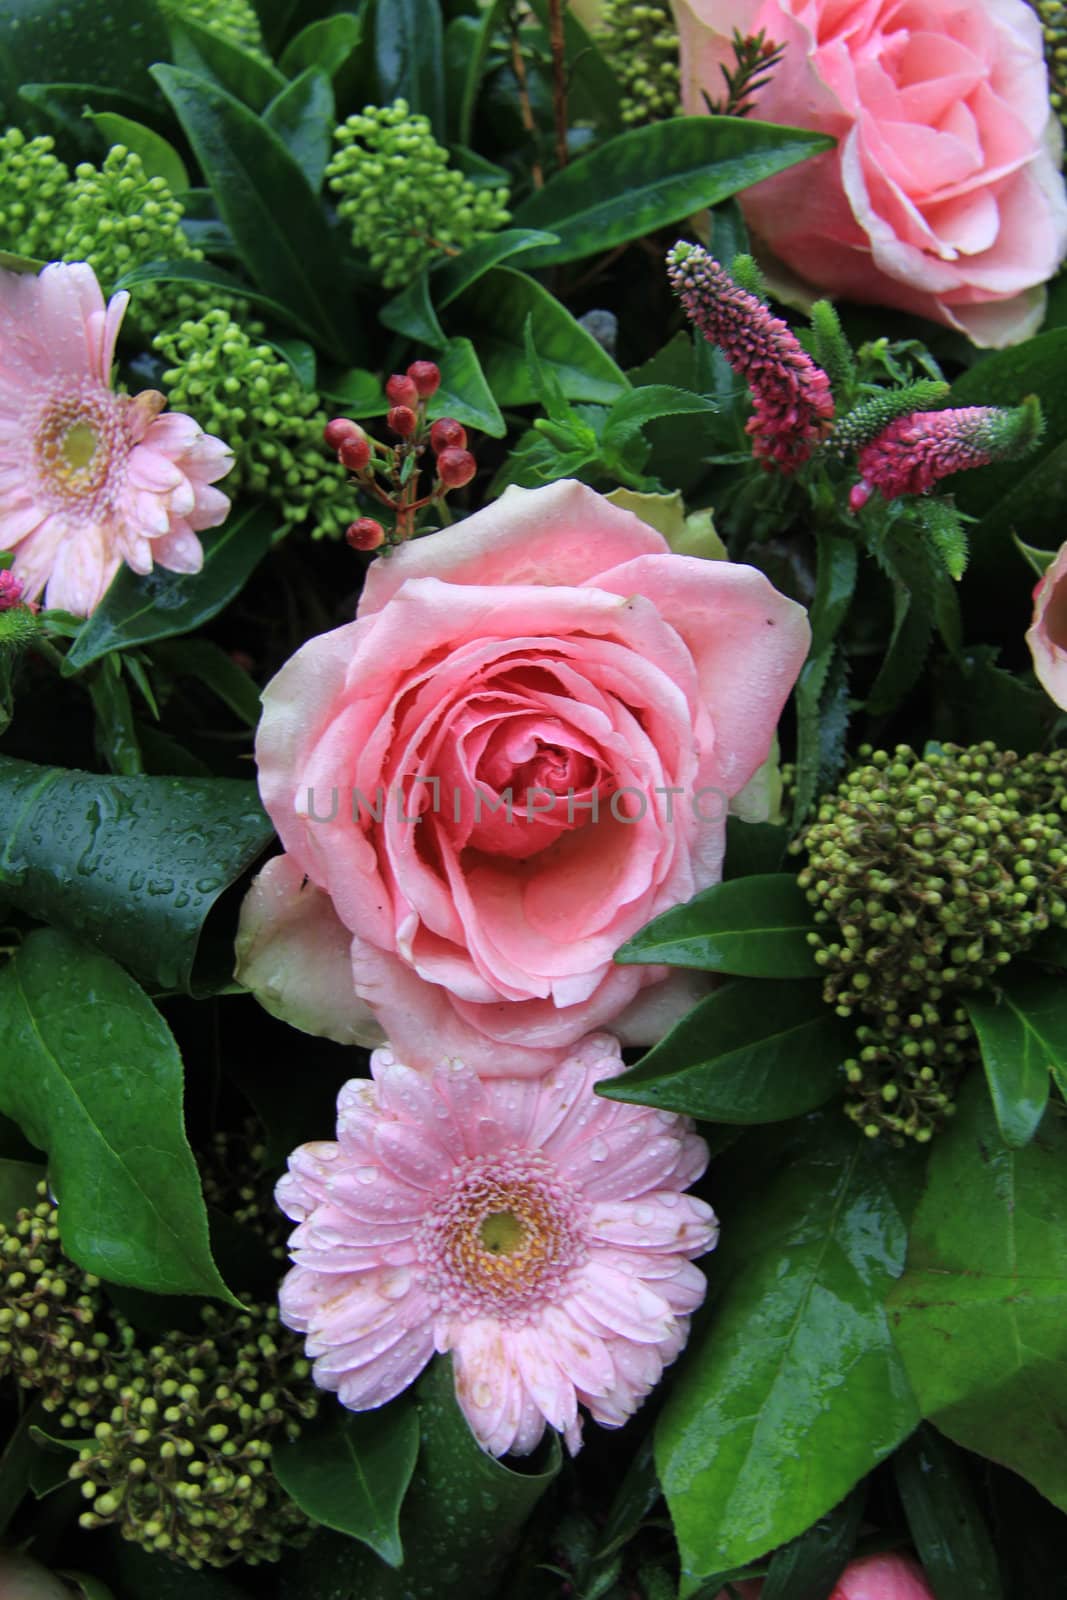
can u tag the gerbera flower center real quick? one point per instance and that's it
(77, 446)
(504, 1238)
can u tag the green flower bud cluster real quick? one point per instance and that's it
(180, 1462)
(404, 203)
(641, 43)
(927, 875)
(232, 20)
(1053, 14)
(232, 1176)
(50, 1315)
(247, 394)
(33, 194)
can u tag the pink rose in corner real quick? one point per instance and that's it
(943, 196)
(1047, 635)
(888, 1577)
(567, 708)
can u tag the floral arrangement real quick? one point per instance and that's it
(533, 800)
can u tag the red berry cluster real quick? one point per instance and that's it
(389, 472)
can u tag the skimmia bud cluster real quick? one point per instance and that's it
(927, 875)
(640, 39)
(174, 1437)
(389, 473)
(405, 203)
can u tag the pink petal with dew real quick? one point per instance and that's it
(82, 569)
(179, 550)
(387, 1375)
(558, 536)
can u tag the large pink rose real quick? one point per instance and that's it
(553, 649)
(943, 195)
(1047, 634)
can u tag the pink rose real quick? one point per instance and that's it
(943, 195)
(874, 1578)
(1047, 635)
(552, 648)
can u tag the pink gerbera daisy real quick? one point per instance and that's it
(89, 478)
(536, 1231)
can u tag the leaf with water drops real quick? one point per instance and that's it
(90, 1072)
(462, 1517)
(132, 864)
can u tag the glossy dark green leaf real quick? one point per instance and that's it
(980, 1316)
(206, 272)
(115, 736)
(793, 1390)
(487, 24)
(158, 155)
(1028, 496)
(461, 1519)
(138, 610)
(1022, 1034)
(303, 116)
(408, 57)
(948, 1530)
(496, 312)
(753, 847)
(325, 44)
(351, 1472)
(358, 392)
(211, 54)
(61, 108)
(451, 277)
(18, 1187)
(412, 313)
(464, 393)
(133, 865)
(753, 927)
(808, 1567)
(106, 42)
(263, 197)
(216, 670)
(649, 177)
(90, 1072)
(750, 1052)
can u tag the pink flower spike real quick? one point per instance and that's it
(793, 406)
(536, 1231)
(90, 479)
(885, 1577)
(916, 451)
(10, 591)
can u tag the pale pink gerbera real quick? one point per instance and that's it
(536, 1231)
(89, 478)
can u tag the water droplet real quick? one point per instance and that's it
(598, 1150)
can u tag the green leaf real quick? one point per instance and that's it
(278, 226)
(18, 1187)
(115, 734)
(754, 847)
(325, 44)
(490, 20)
(409, 58)
(753, 927)
(808, 1567)
(980, 1316)
(464, 393)
(65, 108)
(217, 671)
(1022, 1034)
(794, 1391)
(632, 411)
(159, 156)
(138, 610)
(835, 582)
(449, 278)
(750, 1052)
(948, 1530)
(205, 272)
(496, 315)
(211, 56)
(462, 1516)
(359, 391)
(649, 177)
(303, 116)
(1030, 495)
(105, 42)
(411, 313)
(351, 1472)
(90, 1072)
(133, 865)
